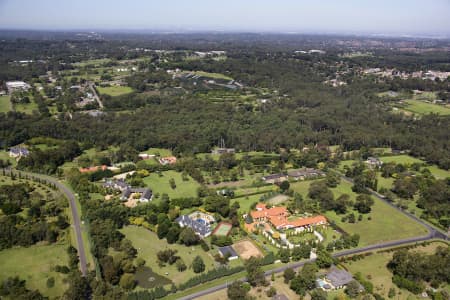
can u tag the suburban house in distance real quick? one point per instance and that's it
(14, 86)
(146, 156)
(18, 152)
(169, 160)
(278, 217)
(275, 178)
(374, 162)
(199, 222)
(335, 279)
(228, 252)
(305, 173)
(146, 194)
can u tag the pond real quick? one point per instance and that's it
(148, 279)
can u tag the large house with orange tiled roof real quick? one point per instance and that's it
(277, 216)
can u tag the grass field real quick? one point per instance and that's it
(384, 182)
(160, 184)
(438, 173)
(99, 61)
(380, 228)
(4, 155)
(34, 264)
(246, 202)
(5, 104)
(115, 90)
(212, 75)
(158, 152)
(401, 159)
(423, 108)
(26, 108)
(374, 266)
(148, 244)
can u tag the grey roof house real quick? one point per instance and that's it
(201, 228)
(228, 251)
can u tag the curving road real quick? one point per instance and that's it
(74, 210)
(433, 233)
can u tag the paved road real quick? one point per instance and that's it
(97, 98)
(74, 210)
(432, 234)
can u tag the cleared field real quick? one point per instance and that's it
(91, 62)
(374, 266)
(438, 172)
(385, 182)
(246, 249)
(401, 159)
(212, 75)
(5, 104)
(160, 184)
(115, 90)
(148, 244)
(384, 223)
(421, 107)
(301, 187)
(35, 264)
(158, 152)
(26, 108)
(4, 155)
(246, 202)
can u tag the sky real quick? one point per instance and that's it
(396, 17)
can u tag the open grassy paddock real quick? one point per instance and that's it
(160, 184)
(423, 108)
(212, 75)
(5, 104)
(35, 264)
(401, 159)
(374, 267)
(148, 244)
(379, 228)
(115, 90)
(26, 108)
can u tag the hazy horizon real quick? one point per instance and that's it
(415, 18)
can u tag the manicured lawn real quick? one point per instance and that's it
(384, 182)
(384, 225)
(438, 173)
(401, 159)
(4, 155)
(160, 184)
(35, 264)
(246, 202)
(421, 107)
(5, 104)
(212, 75)
(380, 228)
(99, 61)
(26, 108)
(148, 244)
(347, 163)
(262, 189)
(374, 266)
(159, 152)
(301, 187)
(115, 90)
